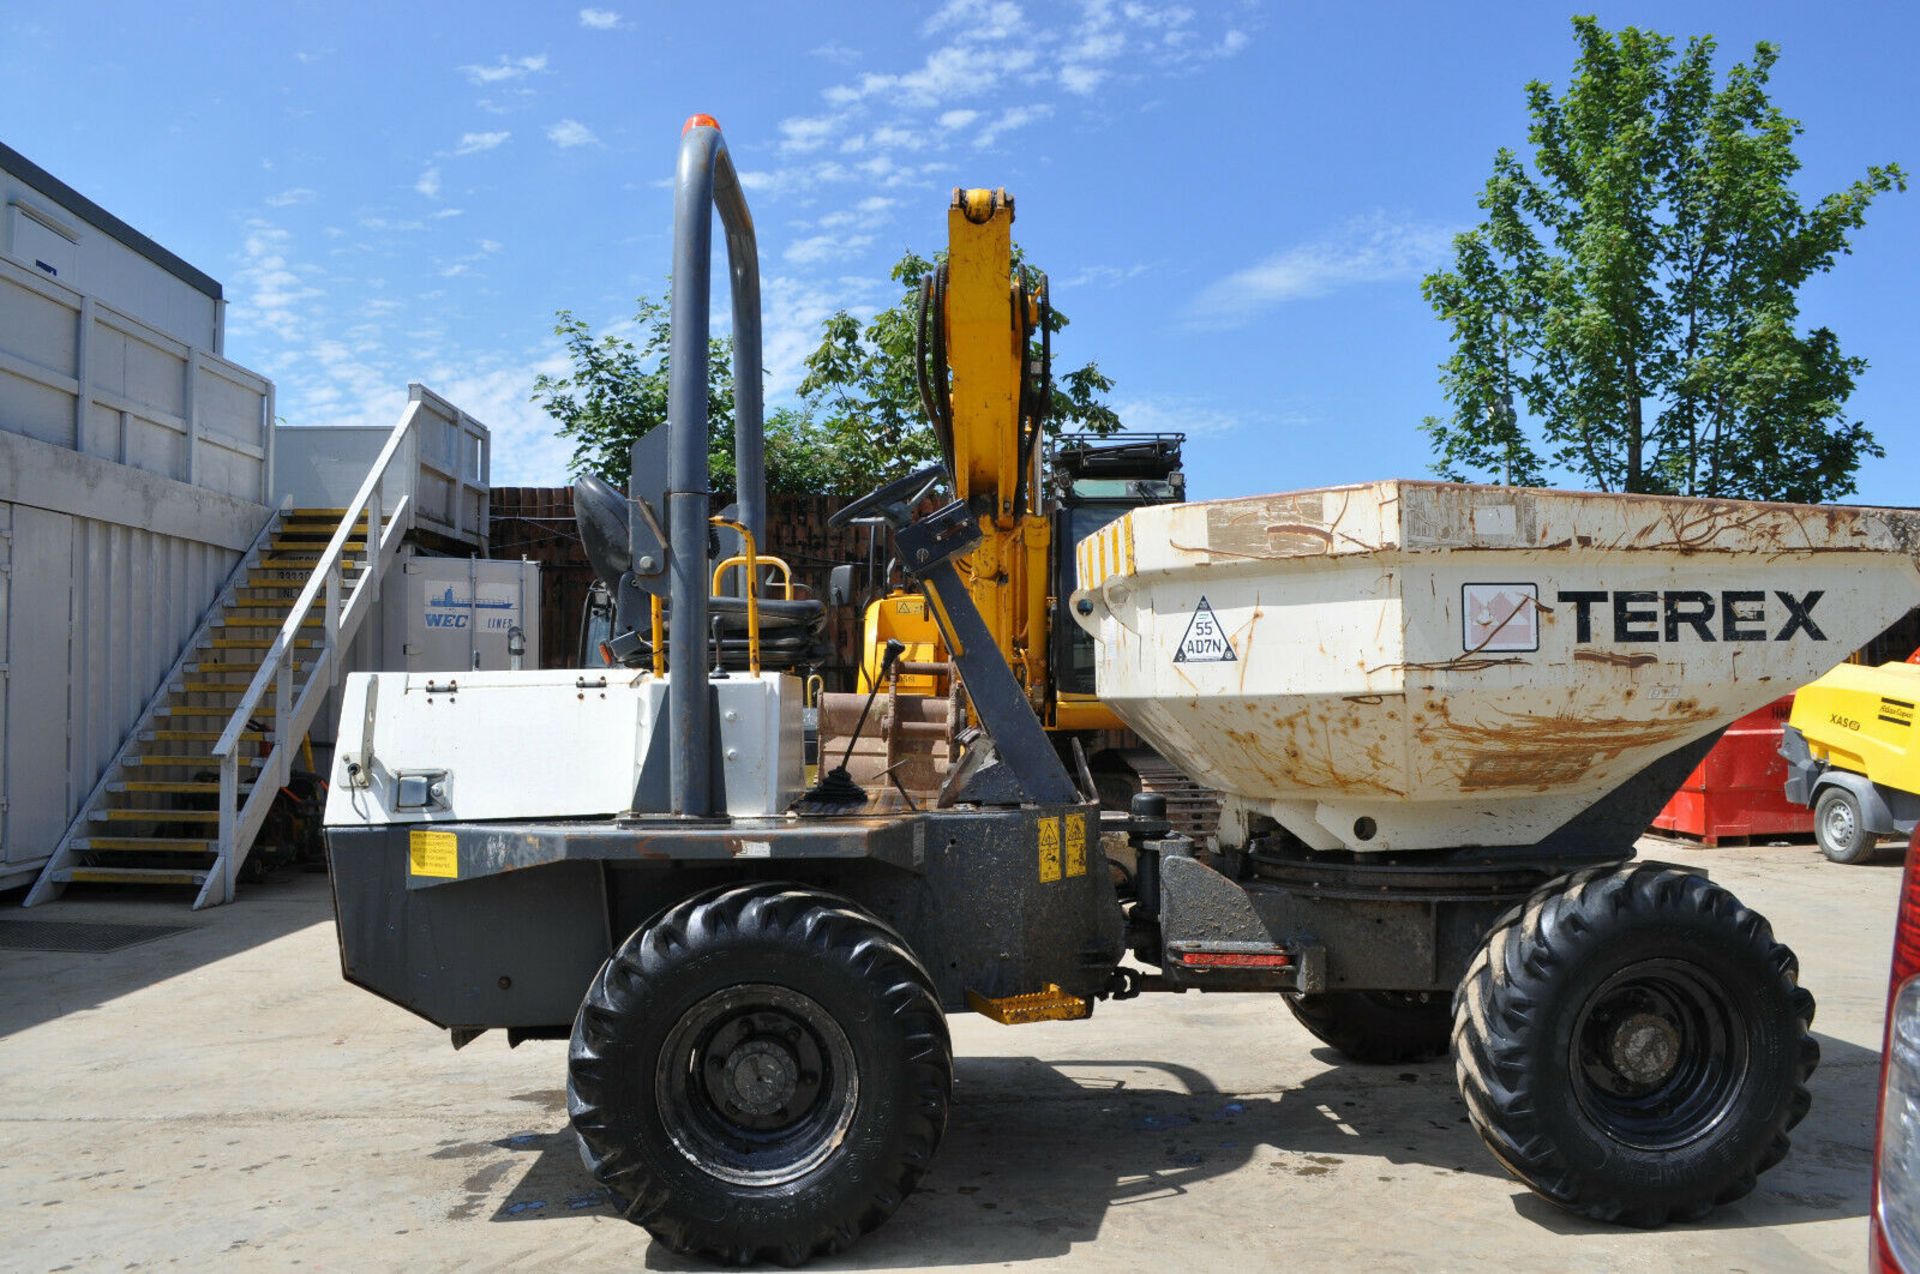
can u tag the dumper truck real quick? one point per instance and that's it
(1439, 715)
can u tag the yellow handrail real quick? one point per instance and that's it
(740, 559)
(752, 563)
(659, 637)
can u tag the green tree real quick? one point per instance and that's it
(861, 387)
(1627, 312)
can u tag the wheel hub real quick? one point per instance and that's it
(1645, 1048)
(756, 1084)
(1658, 1054)
(1839, 823)
(761, 1077)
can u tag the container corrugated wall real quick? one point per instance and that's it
(95, 614)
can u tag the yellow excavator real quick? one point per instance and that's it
(983, 355)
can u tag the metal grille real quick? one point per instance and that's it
(93, 938)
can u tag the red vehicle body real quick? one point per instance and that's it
(1895, 1203)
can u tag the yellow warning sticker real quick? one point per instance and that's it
(1049, 850)
(433, 854)
(1076, 844)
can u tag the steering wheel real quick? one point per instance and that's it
(894, 501)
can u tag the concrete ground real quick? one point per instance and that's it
(219, 1095)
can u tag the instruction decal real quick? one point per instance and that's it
(1206, 642)
(1076, 844)
(1049, 840)
(434, 854)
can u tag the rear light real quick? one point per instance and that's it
(1235, 959)
(1896, 1161)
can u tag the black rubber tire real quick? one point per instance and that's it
(1836, 805)
(849, 964)
(1520, 1009)
(1378, 1027)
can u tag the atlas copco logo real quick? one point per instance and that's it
(1693, 615)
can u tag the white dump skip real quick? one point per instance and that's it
(1413, 665)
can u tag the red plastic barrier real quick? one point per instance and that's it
(1739, 790)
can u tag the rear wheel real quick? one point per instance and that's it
(1841, 828)
(1378, 1026)
(1633, 1045)
(761, 1073)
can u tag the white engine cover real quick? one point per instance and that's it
(567, 743)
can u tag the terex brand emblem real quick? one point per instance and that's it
(1500, 617)
(1693, 615)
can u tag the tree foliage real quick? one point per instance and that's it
(857, 422)
(1628, 310)
(861, 385)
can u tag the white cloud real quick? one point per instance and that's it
(506, 68)
(1008, 120)
(429, 183)
(803, 133)
(838, 54)
(1081, 79)
(975, 19)
(1371, 249)
(455, 270)
(307, 57)
(958, 70)
(825, 247)
(569, 133)
(474, 143)
(273, 294)
(490, 246)
(287, 198)
(599, 19)
(1192, 416)
(444, 213)
(958, 119)
(1102, 275)
(875, 203)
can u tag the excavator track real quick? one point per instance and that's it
(1192, 808)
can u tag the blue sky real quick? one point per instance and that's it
(1235, 200)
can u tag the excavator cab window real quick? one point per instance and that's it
(1096, 480)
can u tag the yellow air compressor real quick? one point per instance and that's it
(1852, 756)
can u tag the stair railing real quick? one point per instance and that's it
(343, 610)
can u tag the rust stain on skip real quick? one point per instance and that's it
(1545, 752)
(1616, 658)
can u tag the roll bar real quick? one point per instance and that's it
(704, 183)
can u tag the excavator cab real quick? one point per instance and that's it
(1095, 480)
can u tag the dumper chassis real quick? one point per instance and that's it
(754, 989)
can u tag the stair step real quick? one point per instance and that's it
(282, 561)
(259, 643)
(280, 582)
(201, 762)
(130, 876)
(213, 710)
(264, 621)
(159, 785)
(197, 736)
(154, 816)
(315, 546)
(143, 844)
(249, 666)
(212, 688)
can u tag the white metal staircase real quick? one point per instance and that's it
(183, 799)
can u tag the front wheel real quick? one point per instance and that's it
(1841, 828)
(1633, 1045)
(761, 1073)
